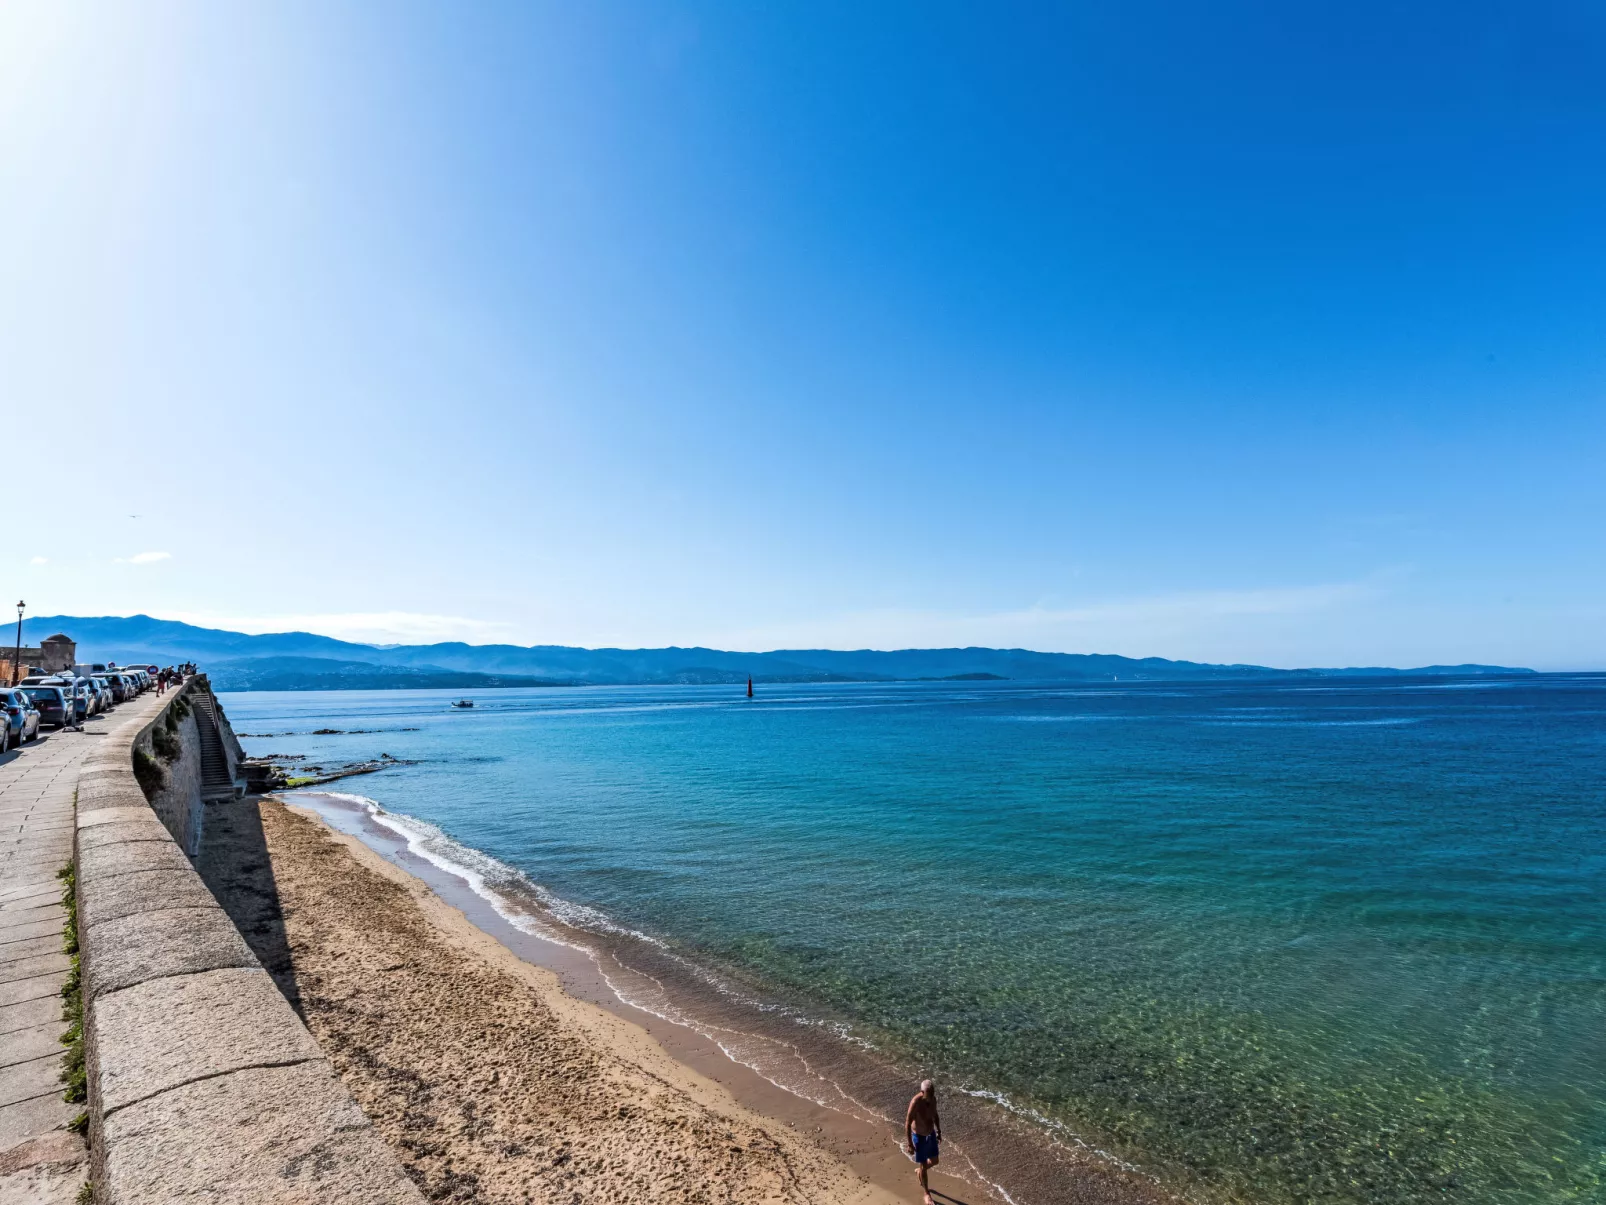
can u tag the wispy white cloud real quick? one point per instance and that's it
(366, 627)
(39, 560)
(1140, 626)
(1201, 625)
(142, 558)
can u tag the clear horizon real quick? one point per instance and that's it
(1239, 335)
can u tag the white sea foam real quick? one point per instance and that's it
(500, 885)
(1061, 1134)
(492, 879)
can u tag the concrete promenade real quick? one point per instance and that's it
(40, 1160)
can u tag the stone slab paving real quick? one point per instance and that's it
(40, 1160)
(30, 978)
(20, 951)
(14, 1018)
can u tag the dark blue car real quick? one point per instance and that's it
(52, 703)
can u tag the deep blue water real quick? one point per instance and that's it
(1335, 942)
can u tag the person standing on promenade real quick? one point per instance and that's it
(922, 1129)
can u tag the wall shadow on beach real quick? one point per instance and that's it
(235, 865)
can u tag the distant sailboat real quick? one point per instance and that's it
(749, 686)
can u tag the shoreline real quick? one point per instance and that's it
(573, 982)
(845, 1107)
(489, 1079)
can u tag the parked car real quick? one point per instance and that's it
(76, 689)
(20, 716)
(119, 687)
(103, 688)
(52, 703)
(84, 698)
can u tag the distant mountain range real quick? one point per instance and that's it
(302, 661)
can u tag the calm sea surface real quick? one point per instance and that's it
(1282, 943)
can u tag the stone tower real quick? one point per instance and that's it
(57, 653)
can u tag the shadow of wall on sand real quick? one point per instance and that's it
(235, 865)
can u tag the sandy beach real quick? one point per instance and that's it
(488, 1080)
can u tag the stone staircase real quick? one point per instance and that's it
(216, 781)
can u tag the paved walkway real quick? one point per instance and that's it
(40, 1160)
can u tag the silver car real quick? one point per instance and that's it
(19, 720)
(78, 690)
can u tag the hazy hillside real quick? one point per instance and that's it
(302, 661)
(319, 673)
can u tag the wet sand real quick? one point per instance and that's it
(489, 1081)
(503, 1067)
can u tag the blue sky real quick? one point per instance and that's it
(1236, 331)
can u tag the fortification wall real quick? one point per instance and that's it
(177, 803)
(203, 1082)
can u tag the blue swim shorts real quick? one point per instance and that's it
(925, 1148)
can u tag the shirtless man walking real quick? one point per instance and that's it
(922, 1129)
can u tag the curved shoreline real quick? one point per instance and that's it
(846, 1102)
(485, 1076)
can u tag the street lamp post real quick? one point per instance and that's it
(15, 660)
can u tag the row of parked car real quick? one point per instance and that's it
(57, 700)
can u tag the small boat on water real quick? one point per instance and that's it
(464, 703)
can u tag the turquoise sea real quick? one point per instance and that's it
(1312, 941)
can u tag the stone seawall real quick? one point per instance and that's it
(178, 804)
(204, 1085)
